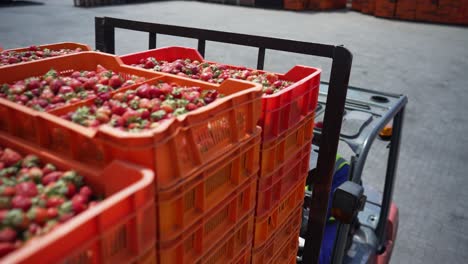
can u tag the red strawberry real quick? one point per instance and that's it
(10, 157)
(79, 203)
(35, 173)
(48, 168)
(21, 202)
(38, 215)
(115, 81)
(65, 217)
(5, 203)
(86, 191)
(27, 189)
(7, 191)
(71, 190)
(52, 212)
(6, 248)
(51, 177)
(191, 106)
(16, 218)
(3, 214)
(54, 201)
(2, 165)
(75, 74)
(7, 234)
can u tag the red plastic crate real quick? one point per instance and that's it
(121, 228)
(54, 46)
(185, 204)
(385, 8)
(294, 4)
(280, 111)
(266, 226)
(274, 153)
(368, 6)
(406, 9)
(356, 5)
(200, 240)
(23, 122)
(187, 142)
(326, 4)
(267, 252)
(279, 183)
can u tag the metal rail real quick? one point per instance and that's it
(338, 83)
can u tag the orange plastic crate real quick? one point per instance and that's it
(187, 203)
(406, 9)
(202, 238)
(277, 184)
(24, 122)
(276, 152)
(121, 228)
(266, 226)
(54, 46)
(187, 142)
(280, 111)
(288, 254)
(236, 248)
(288, 231)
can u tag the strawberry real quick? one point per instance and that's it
(71, 190)
(36, 174)
(86, 191)
(48, 168)
(38, 215)
(115, 81)
(16, 218)
(27, 189)
(65, 217)
(52, 212)
(54, 201)
(7, 234)
(7, 191)
(79, 203)
(51, 177)
(10, 157)
(21, 202)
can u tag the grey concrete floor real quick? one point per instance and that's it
(427, 62)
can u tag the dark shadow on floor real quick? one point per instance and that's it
(12, 3)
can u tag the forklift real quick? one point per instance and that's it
(365, 221)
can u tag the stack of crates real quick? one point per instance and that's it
(122, 227)
(326, 4)
(442, 11)
(287, 121)
(205, 165)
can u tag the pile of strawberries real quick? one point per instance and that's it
(143, 108)
(31, 54)
(54, 90)
(215, 73)
(36, 197)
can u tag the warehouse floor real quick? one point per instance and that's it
(427, 62)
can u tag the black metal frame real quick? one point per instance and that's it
(338, 85)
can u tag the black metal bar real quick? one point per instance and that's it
(201, 46)
(321, 50)
(261, 58)
(100, 41)
(339, 78)
(152, 40)
(392, 165)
